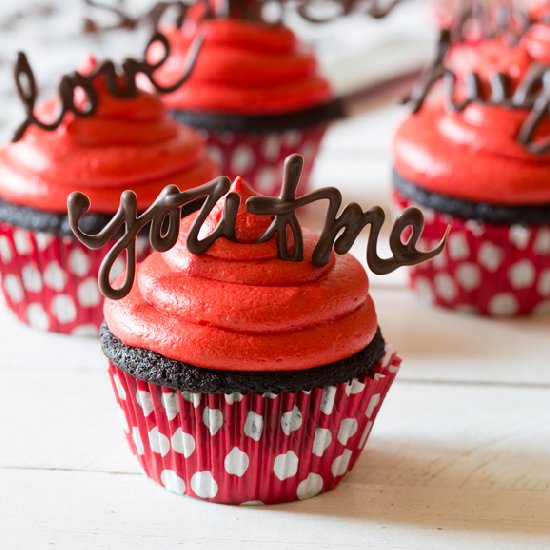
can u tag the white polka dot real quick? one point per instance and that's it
(308, 150)
(85, 330)
(354, 386)
(172, 481)
(522, 274)
(327, 401)
(119, 387)
(22, 242)
(269, 395)
(242, 160)
(373, 403)
(348, 427)
(475, 227)
(543, 286)
(217, 155)
(519, 236)
(204, 485)
(183, 443)
(340, 465)
(445, 286)
(503, 304)
(365, 434)
(457, 246)
(32, 279)
(170, 404)
(236, 462)
(212, 419)
(13, 288)
(265, 179)
(37, 318)
(285, 465)
(88, 293)
(292, 138)
(253, 425)
(227, 137)
(291, 421)
(158, 442)
(5, 250)
(123, 420)
(137, 441)
(542, 242)
(251, 503)
(194, 398)
(440, 261)
(272, 147)
(43, 240)
(543, 308)
(145, 401)
(468, 276)
(79, 262)
(424, 289)
(55, 277)
(321, 441)
(490, 256)
(232, 398)
(311, 486)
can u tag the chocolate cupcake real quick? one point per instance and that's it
(256, 93)
(475, 155)
(246, 359)
(119, 141)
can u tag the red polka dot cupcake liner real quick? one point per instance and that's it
(50, 281)
(496, 270)
(259, 158)
(256, 448)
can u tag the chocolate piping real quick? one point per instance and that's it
(128, 88)
(164, 216)
(532, 93)
(249, 10)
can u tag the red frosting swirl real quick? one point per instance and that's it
(128, 144)
(239, 307)
(474, 154)
(244, 68)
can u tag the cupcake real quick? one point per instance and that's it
(479, 161)
(242, 374)
(49, 279)
(256, 93)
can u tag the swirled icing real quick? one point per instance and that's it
(240, 307)
(130, 143)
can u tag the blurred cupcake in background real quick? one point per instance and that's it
(49, 280)
(256, 94)
(475, 154)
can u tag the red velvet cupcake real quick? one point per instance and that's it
(480, 162)
(256, 94)
(48, 277)
(247, 373)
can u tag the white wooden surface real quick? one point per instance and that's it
(459, 458)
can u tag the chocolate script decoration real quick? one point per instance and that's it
(151, 17)
(164, 218)
(249, 10)
(120, 84)
(532, 94)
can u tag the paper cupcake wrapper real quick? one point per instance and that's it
(259, 158)
(497, 270)
(253, 448)
(50, 281)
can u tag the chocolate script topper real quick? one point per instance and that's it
(120, 84)
(264, 11)
(532, 94)
(164, 217)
